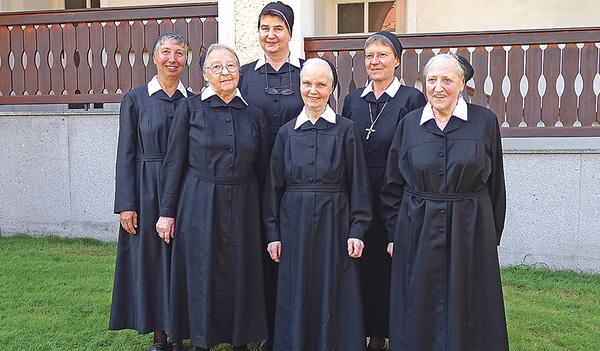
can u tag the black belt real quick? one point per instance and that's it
(327, 188)
(150, 157)
(445, 197)
(376, 163)
(219, 180)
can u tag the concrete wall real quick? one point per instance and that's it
(57, 173)
(553, 191)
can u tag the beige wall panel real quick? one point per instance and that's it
(246, 29)
(465, 15)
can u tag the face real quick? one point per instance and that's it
(444, 84)
(315, 87)
(169, 59)
(224, 82)
(273, 35)
(380, 61)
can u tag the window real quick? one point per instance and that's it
(369, 16)
(81, 4)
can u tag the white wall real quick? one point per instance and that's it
(466, 15)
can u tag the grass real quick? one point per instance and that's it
(55, 295)
(548, 310)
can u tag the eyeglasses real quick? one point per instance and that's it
(282, 90)
(380, 56)
(217, 68)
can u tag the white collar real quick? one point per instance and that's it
(328, 115)
(154, 86)
(391, 90)
(460, 111)
(208, 92)
(293, 60)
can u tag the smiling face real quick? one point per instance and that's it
(380, 62)
(315, 87)
(169, 59)
(273, 35)
(444, 83)
(225, 82)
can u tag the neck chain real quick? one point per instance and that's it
(370, 129)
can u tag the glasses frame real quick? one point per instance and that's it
(214, 69)
(281, 90)
(378, 56)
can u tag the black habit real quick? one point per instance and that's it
(444, 204)
(317, 196)
(375, 263)
(278, 110)
(140, 292)
(209, 183)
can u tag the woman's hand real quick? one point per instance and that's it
(355, 247)
(128, 221)
(165, 228)
(274, 249)
(390, 249)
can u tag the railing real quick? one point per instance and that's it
(539, 83)
(94, 55)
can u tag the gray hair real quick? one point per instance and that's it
(179, 40)
(378, 38)
(217, 46)
(317, 62)
(459, 67)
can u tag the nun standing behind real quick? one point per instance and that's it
(317, 208)
(377, 109)
(272, 84)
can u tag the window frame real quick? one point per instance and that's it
(400, 15)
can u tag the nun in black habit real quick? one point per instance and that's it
(209, 207)
(377, 109)
(317, 208)
(272, 84)
(444, 202)
(141, 286)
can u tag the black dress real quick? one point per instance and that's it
(444, 202)
(317, 196)
(140, 292)
(375, 264)
(209, 185)
(278, 110)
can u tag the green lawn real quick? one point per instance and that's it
(55, 295)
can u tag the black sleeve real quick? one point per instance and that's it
(175, 162)
(125, 181)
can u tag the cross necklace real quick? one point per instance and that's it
(370, 129)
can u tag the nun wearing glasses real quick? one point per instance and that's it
(272, 84)
(209, 206)
(377, 109)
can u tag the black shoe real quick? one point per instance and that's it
(176, 346)
(240, 348)
(158, 346)
(197, 348)
(266, 345)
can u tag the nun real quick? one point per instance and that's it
(317, 209)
